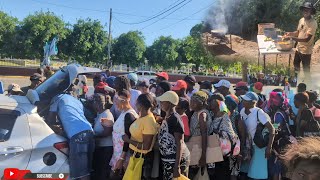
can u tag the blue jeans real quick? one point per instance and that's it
(81, 148)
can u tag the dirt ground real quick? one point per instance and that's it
(245, 49)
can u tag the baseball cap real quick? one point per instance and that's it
(143, 83)
(180, 84)
(14, 87)
(133, 77)
(190, 79)
(36, 77)
(164, 75)
(258, 86)
(169, 96)
(223, 83)
(241, 85)
(250, 96)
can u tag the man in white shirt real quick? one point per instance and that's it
(252, 115)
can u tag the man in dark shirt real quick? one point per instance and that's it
(36, 79)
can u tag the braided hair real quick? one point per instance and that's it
(122, 83)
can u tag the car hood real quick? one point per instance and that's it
(21, 102)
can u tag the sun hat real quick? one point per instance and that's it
(133, 77)
(223, 83)
(241, 85)
(143, 83)
(308, 5)
(190, 79)
(164, 75)
(200, 96)
(250, 96)
(14, 87)
(180, 84)
(169, 96)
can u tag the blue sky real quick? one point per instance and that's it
(127, 11)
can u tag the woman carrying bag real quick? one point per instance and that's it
(221, 125)
(175, 155)
(143, 132)
(199, 123)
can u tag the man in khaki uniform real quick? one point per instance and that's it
(304, 35)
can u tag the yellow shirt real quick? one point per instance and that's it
(306, 27)
(146, 125)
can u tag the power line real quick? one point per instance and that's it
(155, 16)
(167, 15)
(102, 11)
(186, 18)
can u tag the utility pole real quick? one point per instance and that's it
(109, 62)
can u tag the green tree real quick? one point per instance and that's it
(163, 52)
(129, 49)
(87, 41)
(196, 52)
(35, 30)
(197, 30)
(7, 30)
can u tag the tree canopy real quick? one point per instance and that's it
(163, 52)
(129, 49)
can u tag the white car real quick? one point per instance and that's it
(26, 141)
(149, 75)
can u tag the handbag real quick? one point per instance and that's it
(199, 176)
(182, 177)
(312, 128)
(261, 136)
(214, 153)
(227, 144)
(134, 169)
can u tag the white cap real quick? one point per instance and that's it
(223, 83)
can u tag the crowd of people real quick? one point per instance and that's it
(127, 117)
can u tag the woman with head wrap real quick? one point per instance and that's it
(221, 123)
(199, 126)
(279, 117)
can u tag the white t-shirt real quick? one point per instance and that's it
(251, 120)
(98, 129)
(134, 96)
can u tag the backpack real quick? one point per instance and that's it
(283, 135)
(261, 136)
(312, 128)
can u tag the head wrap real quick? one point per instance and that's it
(232, 101)
(276, 99)
(200, 96)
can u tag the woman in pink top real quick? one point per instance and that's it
(181, 109)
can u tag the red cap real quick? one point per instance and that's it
(164, 75)
(258, 86)
(241, 84)
(180, 84)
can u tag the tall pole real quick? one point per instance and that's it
(109, 43)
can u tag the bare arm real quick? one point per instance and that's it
(179, 139)
(271, 130)
(145, 145)
(307, 39)
(203, 131)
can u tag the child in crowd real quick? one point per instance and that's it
(181, 109)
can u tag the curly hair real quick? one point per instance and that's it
(307, 149)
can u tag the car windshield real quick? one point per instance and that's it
(55, 85)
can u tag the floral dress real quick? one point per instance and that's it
(118, 132)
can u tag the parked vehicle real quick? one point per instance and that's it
(26, 141)
(149, 75)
